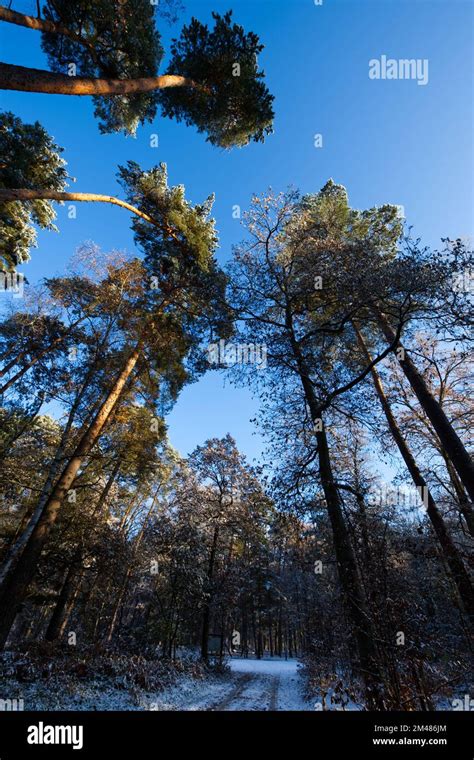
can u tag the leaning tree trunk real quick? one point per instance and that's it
(465, 505)
(450, 440)
(349, 576)
(25, 79)
(18, 375)
(125, 582)
(72, 583)
(16, 550)
(117, 605)
(66, 599)
(36, 357)
(449, 549)
(16, 586)
(23, 195)
(42, 25)
(348, 571)
(7, 367)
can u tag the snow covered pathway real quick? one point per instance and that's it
(266, 685)
(256, 685)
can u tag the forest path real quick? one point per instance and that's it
(262, 685)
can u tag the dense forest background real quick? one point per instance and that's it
(349, 544)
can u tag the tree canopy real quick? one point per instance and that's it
(112, 51)
(30, 159)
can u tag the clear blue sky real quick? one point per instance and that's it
(386, 141)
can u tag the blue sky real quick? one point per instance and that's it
(386, 141)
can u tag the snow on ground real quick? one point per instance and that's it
(270, 684)
(101, 694)
(189, 694)
(280, 681)
(252, 685)
(273, 667)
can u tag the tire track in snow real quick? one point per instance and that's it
(252, 692)
(279, 680)
(274, 693)
(233, 695)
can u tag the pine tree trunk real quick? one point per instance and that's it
(23, 195)
(280, 634)
(65, 602)
(72, 583)
(41, 25)
(16, 586)
(206, 617)
(244, 643)
(450, 551)
(16, 550)
(450, 440)
(25, 79)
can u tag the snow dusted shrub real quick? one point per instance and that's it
(40, 662)
(219, 667)
(331, 687)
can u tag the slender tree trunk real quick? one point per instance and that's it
(34, 360)
(36, 357)
(15, 551)
(72, 583)
(126, 580)
(450, 440)
(223, 635)
(16, 586)
(97, 621)
(18, 375)
(465, 505)
(206, 617)
(11, 364)
(41, 25)
(244, 645)
(259, 643)
(23, 195)
(26, 79)
(205, 631)
(66, 599)
(117, 606)
(450, 551)
(280, 634)
(348, 571)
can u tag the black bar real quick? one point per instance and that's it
(136, 734)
